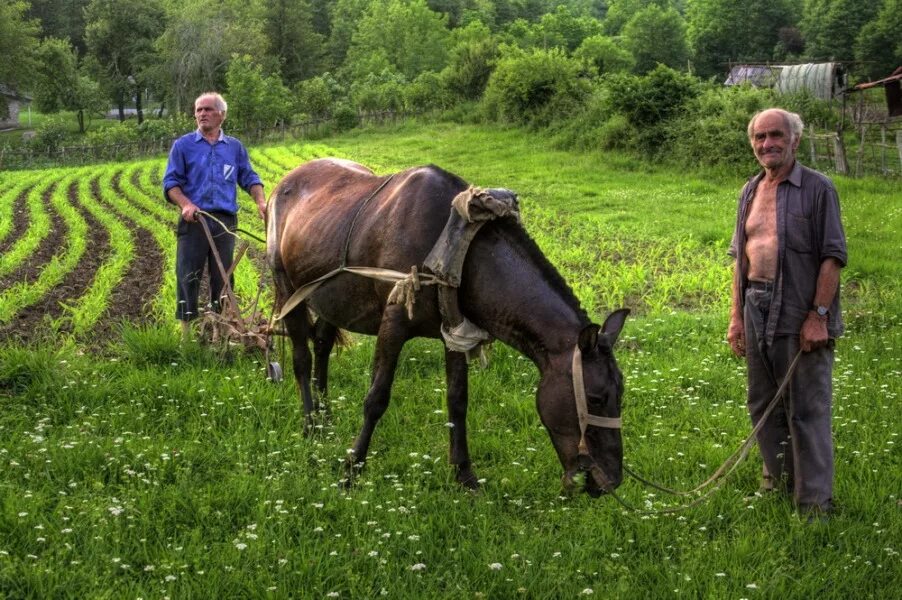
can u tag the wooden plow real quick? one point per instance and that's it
(232, 326)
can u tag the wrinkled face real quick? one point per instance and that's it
(557, 408)
(772, 141)
(208, 116)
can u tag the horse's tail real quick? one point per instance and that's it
(273, 254)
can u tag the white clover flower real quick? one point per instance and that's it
(495, 566)
(752, 586)
(332, 595)
(241, 545)
(417, 567)
(587, 592)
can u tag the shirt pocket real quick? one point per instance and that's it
(228, 172)
(798, 233)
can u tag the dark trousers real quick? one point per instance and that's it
(193, 253)
(796, 442)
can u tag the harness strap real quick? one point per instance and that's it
(405, 285)
(582, 407)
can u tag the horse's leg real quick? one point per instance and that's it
(324, 335)
(297, 324)
(391, 338)
(457, 380)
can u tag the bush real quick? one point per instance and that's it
(649, 101)
(316, 95)
(427, 92)
(50, 135)
(535, 88)
(120, 133)
(711, 130)
(164, 129)
(344, 117)
(378, 93)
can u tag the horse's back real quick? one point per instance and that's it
(330, 212)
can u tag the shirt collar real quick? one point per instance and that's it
(198, 136)
(795, 176)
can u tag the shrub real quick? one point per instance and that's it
(119, 133)
(50, 135)
(711, 130)
(377, 93)
(316, 95)
(535, 87)
(649, 101)
(344, 117)
(427, 92)
(164, 129)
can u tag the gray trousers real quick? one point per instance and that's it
(796, 442)
(193, 254)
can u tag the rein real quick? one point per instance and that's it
(588, 464)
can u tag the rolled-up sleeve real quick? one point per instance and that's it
(247, 177)
(833, 236)
(175, 175)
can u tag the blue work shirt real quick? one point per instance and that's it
(208, 173)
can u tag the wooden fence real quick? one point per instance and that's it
(28, 158)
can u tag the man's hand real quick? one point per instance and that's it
(261, 208)
(189, 211)
(814, 332)
(736, 336)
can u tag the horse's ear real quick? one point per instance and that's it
(588, 338)
(613, 325)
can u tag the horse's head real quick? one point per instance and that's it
(599, 450)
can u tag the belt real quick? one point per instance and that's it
(767, 286)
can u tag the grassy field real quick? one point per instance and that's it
(146, 470)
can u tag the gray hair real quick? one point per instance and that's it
(220, 102)
(793, 123)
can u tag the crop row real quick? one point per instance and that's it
(85, 223)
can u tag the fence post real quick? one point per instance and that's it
(842, 165)
(811, 147)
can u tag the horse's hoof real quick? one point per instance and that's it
(468, 479)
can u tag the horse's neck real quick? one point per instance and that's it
(511, 290)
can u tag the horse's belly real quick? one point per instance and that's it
(349, 304)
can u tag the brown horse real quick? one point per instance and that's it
(330, 209)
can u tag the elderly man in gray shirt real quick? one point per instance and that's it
(789, 247)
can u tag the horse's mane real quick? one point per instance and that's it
(519, 238)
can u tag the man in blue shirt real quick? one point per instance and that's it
(202, 174)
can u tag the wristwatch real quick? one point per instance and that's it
(822, 311)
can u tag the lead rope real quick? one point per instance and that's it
(720, 476)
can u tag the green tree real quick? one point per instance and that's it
(721, 31)
(831, 27)
(63, 19)
(565, 28)
(413, 39)
(879, 46)
(655, 35)
(605, 54)
(61, 85)
(256, 100)
(298, 48)
(471, 60)
(120, 36)
(619, 12)
(199, 43)
(346, 15)
(18, 44)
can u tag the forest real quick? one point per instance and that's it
(624, 74)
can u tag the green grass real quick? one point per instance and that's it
(149, 470)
